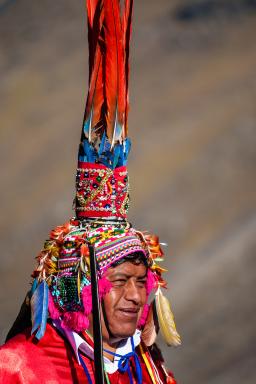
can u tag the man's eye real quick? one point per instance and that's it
(119, 282)
(141, 283)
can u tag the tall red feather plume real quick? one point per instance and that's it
(113, 65)
(109, 31)
(127, 29)
(95, 98)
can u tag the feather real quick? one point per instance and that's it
(95, 16)
(118, 129)
(127, 23)
(91, 10)
(105, 118)
(95, 98)
(39, 309)
(114, 71)
(166, 320)
(88, 125)
(102, 144)
(149, 332)
(34, 286)
(117, 151)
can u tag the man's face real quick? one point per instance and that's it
(124, 303)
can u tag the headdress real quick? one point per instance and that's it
(63, 277)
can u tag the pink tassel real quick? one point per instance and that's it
(151, 282)
(87, 299)
(76, 321)
(144, 315)
(53, 310)
(150, 285)
(104, 287)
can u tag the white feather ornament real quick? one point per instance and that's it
(166, 320)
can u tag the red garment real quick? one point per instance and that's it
(24, 360)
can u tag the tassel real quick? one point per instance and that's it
(166, 320)
(149, 332)
(75, 321)
(39, 309)
(54, 313)
(78, 284)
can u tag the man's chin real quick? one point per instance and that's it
(124, 333)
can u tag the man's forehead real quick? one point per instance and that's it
(127, 268)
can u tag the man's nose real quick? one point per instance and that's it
(132, 292)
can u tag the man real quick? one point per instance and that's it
(65, 356)
(95, 274)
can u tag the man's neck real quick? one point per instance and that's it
(109, 343)
(108, 347)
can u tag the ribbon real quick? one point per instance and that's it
(124, 363)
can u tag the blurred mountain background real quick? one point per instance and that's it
(192, 166)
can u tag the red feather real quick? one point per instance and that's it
(109, 30)
(127, 28)
(95, 98)
(111, 63)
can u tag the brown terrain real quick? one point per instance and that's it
(192, 167)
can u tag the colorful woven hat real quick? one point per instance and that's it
(62, 279)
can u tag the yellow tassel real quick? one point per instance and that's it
(78, 284)
(166, 320)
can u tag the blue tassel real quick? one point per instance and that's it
(39, 309)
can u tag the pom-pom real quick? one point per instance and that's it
(53, 310)
(151, 282)
(104, 287)
(87, 299)
(76, 321)
(143, 317)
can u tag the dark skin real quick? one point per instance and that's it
(124, 303)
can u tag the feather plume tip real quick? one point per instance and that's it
(166, 320)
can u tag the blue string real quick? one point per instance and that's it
(123, 363)
(85, 369)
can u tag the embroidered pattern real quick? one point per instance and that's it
(101, 191)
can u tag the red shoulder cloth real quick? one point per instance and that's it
(24, 360)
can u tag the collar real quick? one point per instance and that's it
(78, 343)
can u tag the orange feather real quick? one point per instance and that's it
(127, 28)
(95, 98)
(109, 30)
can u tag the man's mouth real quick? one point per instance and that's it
(130, 313)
